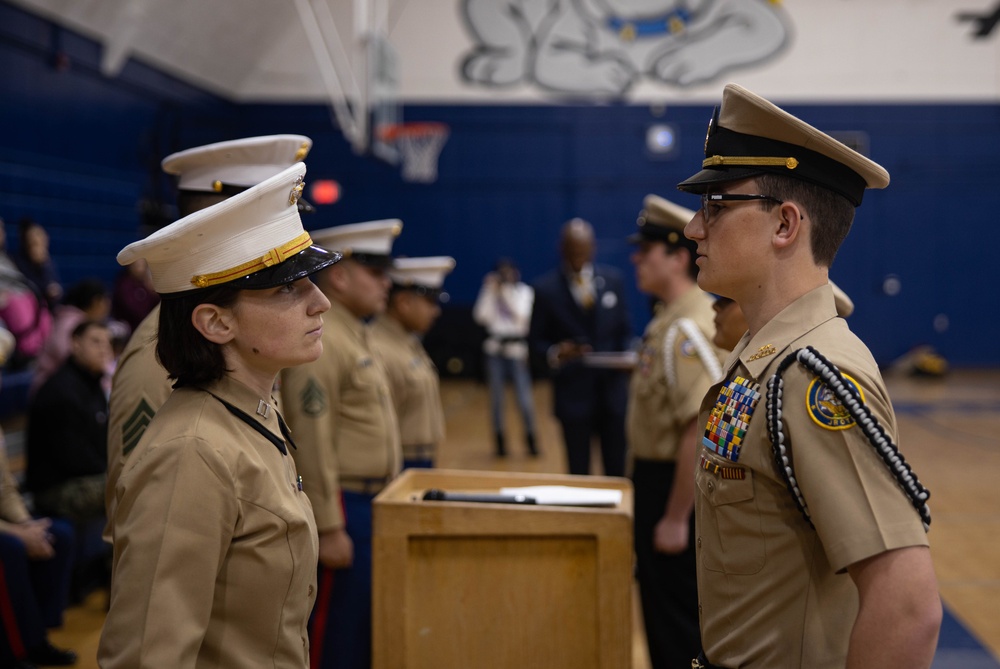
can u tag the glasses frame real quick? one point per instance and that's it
(709, 198)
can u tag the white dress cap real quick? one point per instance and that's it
(256, 230)
(366, 242)
(421, 272)
(240, 162)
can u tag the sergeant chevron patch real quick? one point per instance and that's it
(135, 425)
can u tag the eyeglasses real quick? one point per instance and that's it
(708, 199)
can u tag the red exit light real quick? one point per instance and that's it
(324, 191)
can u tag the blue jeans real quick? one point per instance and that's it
(498, 371)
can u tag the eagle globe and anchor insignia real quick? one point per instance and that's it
(825, 409)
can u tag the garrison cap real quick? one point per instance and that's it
(239, 162)
(661, 221)
(253, 240)
(368, 243)
(422, 275)
(749, 136)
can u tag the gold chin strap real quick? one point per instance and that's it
(752, 161)
(271, 258)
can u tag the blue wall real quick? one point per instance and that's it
(79, 151)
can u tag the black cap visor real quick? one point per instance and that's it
(300, 265)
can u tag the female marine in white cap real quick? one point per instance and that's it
(215, 545)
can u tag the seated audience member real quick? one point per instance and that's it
(23, 311)
(67, 430)
(35, 263)
(35, 564)
(87, 300)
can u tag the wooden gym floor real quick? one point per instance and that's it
(949, 432)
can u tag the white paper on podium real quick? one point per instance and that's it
(561, 495)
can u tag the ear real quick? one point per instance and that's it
(215, 323)
(790, 225)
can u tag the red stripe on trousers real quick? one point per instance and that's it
(322, 609)
(9, 621)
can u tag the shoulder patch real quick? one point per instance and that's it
(824, 407)
(313, 398)
(135, 425)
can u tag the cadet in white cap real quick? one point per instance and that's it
(677, 364)
(205, 175)
(215, 545)
(812, 546)
(414, 306)
(340, 408)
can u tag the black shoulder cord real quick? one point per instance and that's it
(243, 416)
(849, 397)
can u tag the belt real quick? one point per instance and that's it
(418, 451)
(363, 485)
(701, 662)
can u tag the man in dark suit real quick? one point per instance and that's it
(579, 308)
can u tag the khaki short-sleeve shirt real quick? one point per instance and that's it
(215, 546)
(415, 386)
(773, 591)
(341, 415)
(677, 364)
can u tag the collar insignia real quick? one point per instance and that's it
(263, 408)
(762, 352)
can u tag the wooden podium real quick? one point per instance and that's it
(466, 585)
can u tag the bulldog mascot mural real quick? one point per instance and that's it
(603, 47)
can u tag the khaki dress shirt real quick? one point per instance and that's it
(342, 419)
(215, 547)
(415, 387)
(667, 386)
(774, 591)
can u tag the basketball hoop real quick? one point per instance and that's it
(420, 145)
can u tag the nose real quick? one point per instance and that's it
(319, 303)
(695, 228)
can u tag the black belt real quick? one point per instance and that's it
(701, 662)
(509, 340)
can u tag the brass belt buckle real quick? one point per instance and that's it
(697, 664)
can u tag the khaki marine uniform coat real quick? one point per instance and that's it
(341, 415)
(677, 364)
(138, 389)
(415, 387)
(12, 508)
(215, 547)
(774, 591)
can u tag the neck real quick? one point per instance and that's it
(762, 303)
(675, 289)
(260, 381)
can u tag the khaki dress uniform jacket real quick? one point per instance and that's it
(774, 591)
(415, 387)
(215, 547)
(659, 408)
(341, 415)
(139, 388)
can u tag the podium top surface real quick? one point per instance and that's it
(409, 488)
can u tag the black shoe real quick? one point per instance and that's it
(532, 446)
(501, 448)
(47, 655)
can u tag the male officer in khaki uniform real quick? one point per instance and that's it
(205, 175)
(812, 550)
(341, 413)
(677, 364)
(414, 305)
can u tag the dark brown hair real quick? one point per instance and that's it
(832, 214)
(189, 358)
